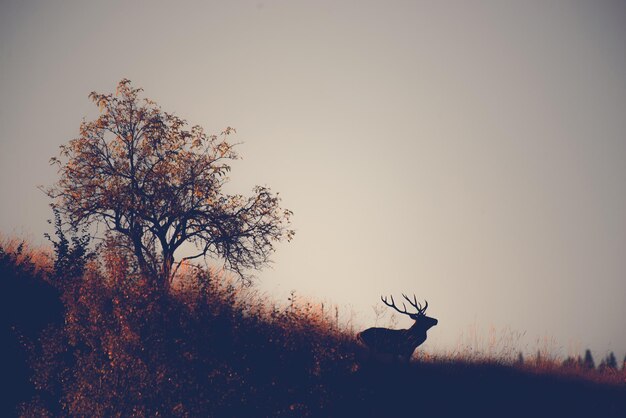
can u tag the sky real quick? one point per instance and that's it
(469, 152)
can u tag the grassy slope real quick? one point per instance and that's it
(465, 389)
(215, 349)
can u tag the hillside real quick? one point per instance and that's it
(101, 342)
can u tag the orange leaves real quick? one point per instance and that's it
(223, 148)
(229, 131)
(122, 87)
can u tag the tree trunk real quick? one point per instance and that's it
(166, 271)
(147, 272)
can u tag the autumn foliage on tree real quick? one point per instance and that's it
(155, 182)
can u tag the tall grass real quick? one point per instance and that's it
(213, 347)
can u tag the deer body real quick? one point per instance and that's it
(398, 343)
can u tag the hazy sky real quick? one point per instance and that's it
(470, 152)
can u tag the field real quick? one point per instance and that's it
(101, 342)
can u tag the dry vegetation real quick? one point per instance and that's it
(102, 342)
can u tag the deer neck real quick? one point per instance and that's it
(417, 330)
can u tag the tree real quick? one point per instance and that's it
(569, 363)
(147, 177)
(609, 363)
(70, 256)
(588, 363)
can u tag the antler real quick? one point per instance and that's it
(416, 305)
(393, 305)
(420, 310)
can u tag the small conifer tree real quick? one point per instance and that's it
(588, 363)
(611, 361)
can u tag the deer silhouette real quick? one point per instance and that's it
(400, 344)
